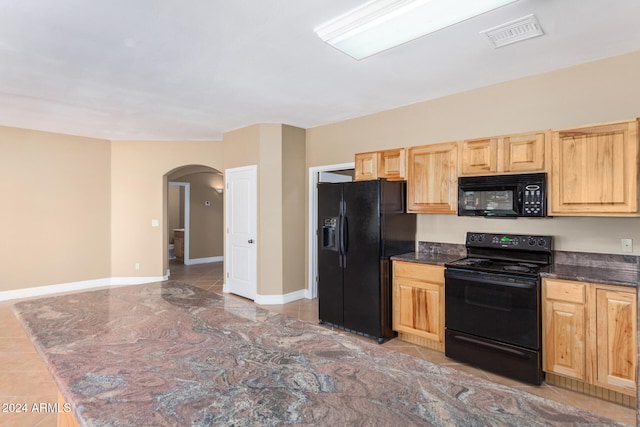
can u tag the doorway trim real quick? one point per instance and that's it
(314, 172)
(187, 213)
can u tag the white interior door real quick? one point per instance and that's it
(241, 206)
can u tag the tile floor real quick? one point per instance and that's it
(24, 379)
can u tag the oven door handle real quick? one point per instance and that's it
(500, 348)
(479, 278)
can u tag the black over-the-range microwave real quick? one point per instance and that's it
(521, 195)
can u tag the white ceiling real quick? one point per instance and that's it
(192, 70)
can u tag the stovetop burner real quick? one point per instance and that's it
(517, 267)
(507, 254)
(472, 261)
(496, 266)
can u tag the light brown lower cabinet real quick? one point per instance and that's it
(589, 333)
(418, 303)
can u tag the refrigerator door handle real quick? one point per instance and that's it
(341, 236)
(345, 235)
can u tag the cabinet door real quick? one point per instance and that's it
(391, 164)
(418, 310)
(524, 153)
(615, 324)
(418, 300)
(564, 328)
(366, 166)
(432, 178)
(595, 170)
(479, 156)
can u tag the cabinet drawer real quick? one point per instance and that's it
(422, 272)
(565, 291)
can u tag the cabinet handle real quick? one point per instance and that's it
(250, 241)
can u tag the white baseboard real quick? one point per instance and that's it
(275, 299)
(195, 261)
(123, 281)
(280, 299)
(76, 286)
(53, 289)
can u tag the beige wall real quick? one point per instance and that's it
(270, 243)
(139, 191)
(601, 91)
(293, 208)
(241, 147)
(56, 209)
(279, 152)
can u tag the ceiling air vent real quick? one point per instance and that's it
(514, 31)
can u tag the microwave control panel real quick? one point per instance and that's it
(533, 200)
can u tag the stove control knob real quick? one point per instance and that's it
(541, 242)
(480, 237)
(472, 237)
(532, 241)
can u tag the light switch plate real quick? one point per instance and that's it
(155, 223)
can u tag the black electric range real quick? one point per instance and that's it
(492, 304)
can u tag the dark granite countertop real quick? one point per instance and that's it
(434, 253)
(426, 258)
(609, 276)
(609, 269)
(172, 354)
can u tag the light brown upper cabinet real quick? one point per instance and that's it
(479, 156)
(524, 152)
(391, 164)
(432, 178)
(504, 154)
(595, 170)
(366, 166)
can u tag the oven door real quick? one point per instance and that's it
(494, 306)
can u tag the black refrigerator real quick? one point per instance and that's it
(360, 225)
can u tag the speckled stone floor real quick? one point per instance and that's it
(19, 360)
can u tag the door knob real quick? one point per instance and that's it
(251, 241)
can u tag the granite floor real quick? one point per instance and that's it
(24, 378)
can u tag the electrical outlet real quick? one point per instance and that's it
(137, 266)
(627, 245)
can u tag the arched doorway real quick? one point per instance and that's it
(194, 215)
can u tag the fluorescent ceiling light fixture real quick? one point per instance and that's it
(379, 25)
